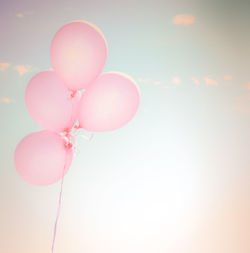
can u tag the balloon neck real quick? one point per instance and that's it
(69, 141)
(73, 93)
(67, 131)
(77, 127)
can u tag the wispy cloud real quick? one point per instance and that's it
(7, 100)
(242, 109)
(248, 86)
(210, 81)
(22, 69)
(156, 82)
(183, 19)
(4, 66)
(143, 80)
(195, 80)
(228, 78)
(176, 80)
(20, 15)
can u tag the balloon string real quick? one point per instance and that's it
(58, 210)
(72, 107)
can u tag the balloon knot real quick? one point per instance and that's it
(68, 145)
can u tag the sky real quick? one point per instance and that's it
(174, 179)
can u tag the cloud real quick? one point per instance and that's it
(143, 80)
(4, 66)
(248, 86)
(176, 80)
(210, 81)
(156, 82)
(228, 78)
(22, 69)
(242, 109)
(183, 19)
(7, 100)
(195, 80)
(20, 15)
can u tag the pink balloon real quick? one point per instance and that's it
(109, 103)
(50, 103)
(78, 53)
(42, 157)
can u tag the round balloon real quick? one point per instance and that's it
(42, 158)
(109, 103)
(78, 53)
(50, 103)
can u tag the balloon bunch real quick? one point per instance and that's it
(55, 101)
